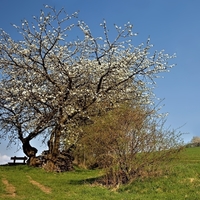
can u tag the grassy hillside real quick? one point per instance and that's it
(22, 182)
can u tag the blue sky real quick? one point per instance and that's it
(173, 25)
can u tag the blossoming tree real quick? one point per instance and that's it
(50, 84)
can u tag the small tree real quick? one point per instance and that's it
(129, 142)
(195, 141)
(50, 84)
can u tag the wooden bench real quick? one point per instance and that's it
(18, 158)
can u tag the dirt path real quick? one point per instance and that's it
(10, 189)
(45, 189)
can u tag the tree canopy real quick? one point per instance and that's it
(51, 84)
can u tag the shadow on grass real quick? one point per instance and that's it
(86, 181)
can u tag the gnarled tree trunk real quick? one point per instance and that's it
(53, 151)
(30, 152)
(57, 160)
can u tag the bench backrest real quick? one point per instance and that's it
(19, 158)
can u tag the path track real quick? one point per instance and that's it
(45, 189)
(10, 189)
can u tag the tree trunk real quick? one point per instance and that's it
(53, 152)
(30, 152)
(57, 160)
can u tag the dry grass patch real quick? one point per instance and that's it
(44, 189)
(10, 189)
(191, 180)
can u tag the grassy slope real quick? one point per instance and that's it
(182, 183)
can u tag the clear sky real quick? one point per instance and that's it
(173, 25)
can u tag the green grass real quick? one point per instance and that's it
(183, 182)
